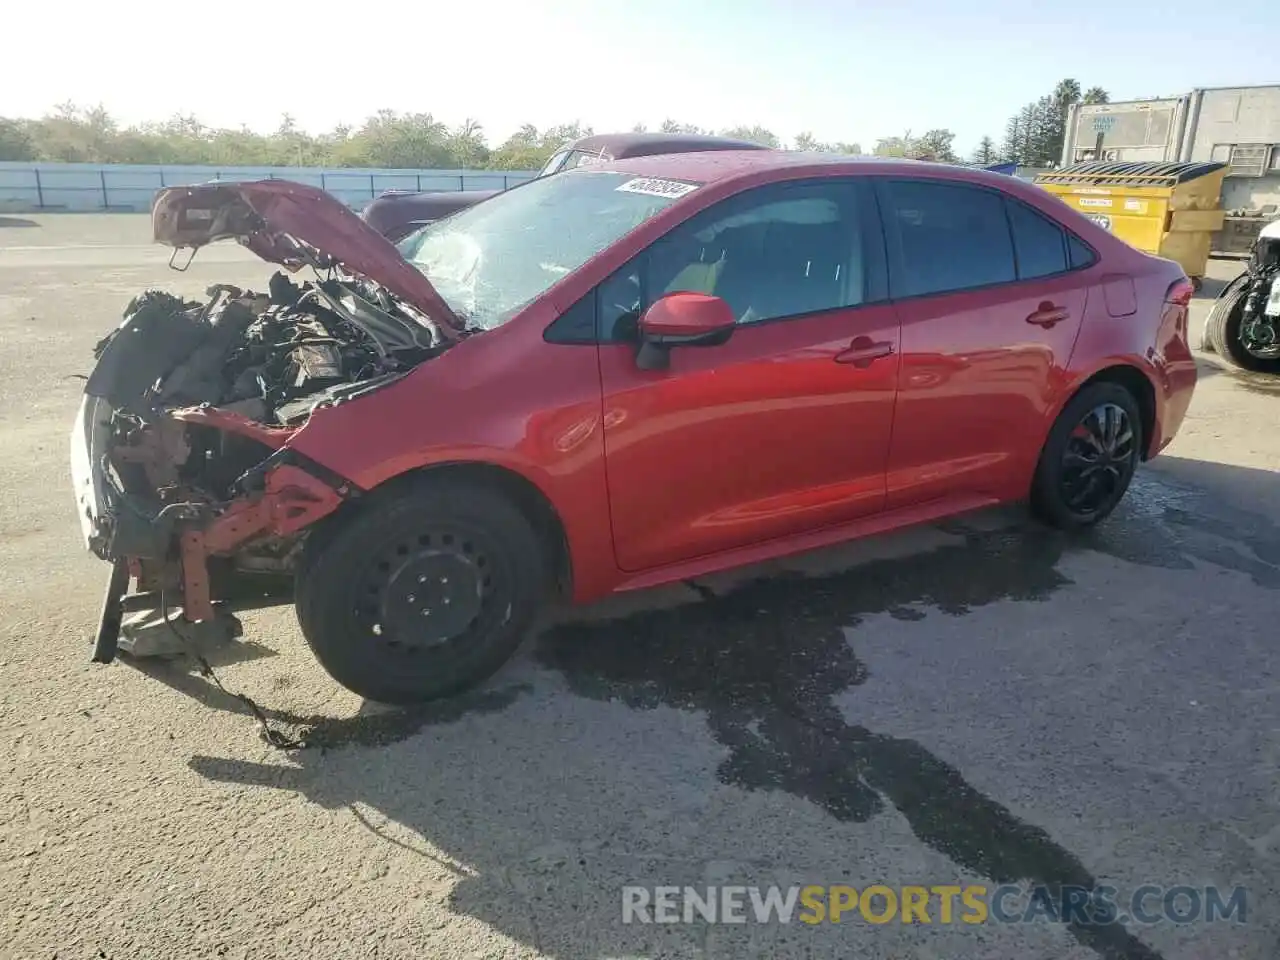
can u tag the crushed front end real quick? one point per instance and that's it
(184, 478)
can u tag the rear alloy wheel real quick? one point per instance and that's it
(1089, 459)
(422, 594)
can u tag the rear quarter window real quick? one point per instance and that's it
(1078, 253)
(1039, 244)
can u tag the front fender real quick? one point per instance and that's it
(500, 399)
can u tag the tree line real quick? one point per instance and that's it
(76, 134)
(73, 133)
(1034, 136)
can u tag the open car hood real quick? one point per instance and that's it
(294, 225)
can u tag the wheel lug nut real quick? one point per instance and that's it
(423, 578)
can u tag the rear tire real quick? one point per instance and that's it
(1089, 457)
(422, 593)
(1222, 330)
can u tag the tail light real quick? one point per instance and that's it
(1180, 292)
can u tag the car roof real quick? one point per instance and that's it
(713, 166)
(763, 165)
(643, 144)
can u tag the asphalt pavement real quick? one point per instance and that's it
(975, 703)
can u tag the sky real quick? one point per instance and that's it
(848, 71)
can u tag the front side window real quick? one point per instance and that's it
(772, 252)
(489, 261)
(946, 236)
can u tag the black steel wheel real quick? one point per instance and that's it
(422, 593)
(1090, 457)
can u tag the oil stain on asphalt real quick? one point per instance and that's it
(765, 662)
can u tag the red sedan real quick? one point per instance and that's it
(625, 375)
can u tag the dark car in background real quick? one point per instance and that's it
(397, 213)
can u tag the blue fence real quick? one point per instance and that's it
(26, 187)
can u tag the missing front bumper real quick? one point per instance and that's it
(167, 551)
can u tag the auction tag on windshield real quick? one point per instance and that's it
(658, 188)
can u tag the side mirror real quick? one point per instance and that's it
(681, 320)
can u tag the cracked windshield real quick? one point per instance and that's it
(491, 260)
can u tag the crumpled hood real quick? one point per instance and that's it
(294, 225)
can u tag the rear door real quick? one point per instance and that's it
(990, 293)
(785, 427)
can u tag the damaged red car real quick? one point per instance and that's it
(624, 375)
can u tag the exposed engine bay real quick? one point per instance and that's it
(269, 357)
(190, 404)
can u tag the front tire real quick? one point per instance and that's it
(1089, 458)
(422, 593)
(1222, 330)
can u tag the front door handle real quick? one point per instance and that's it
(1049, 315)
(864, 351)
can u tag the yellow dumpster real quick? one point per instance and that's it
(1169, 209)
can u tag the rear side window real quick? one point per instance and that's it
(946, 237)
(1040, 244)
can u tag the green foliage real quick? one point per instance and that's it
(933, 145)
(15, 141)
(387, 139)
(1035, 135)
(755, 135)
(986, 153)
(528, 148)
(671, 126)
(894, 146)
(807, 143)
(420, 141)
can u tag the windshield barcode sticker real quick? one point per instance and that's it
(658, 188)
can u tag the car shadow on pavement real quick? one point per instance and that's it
(762, 662)
(183, 674)
(1266, 384)
(16, 222)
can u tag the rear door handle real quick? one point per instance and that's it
(864, 351)
(1048, 315)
